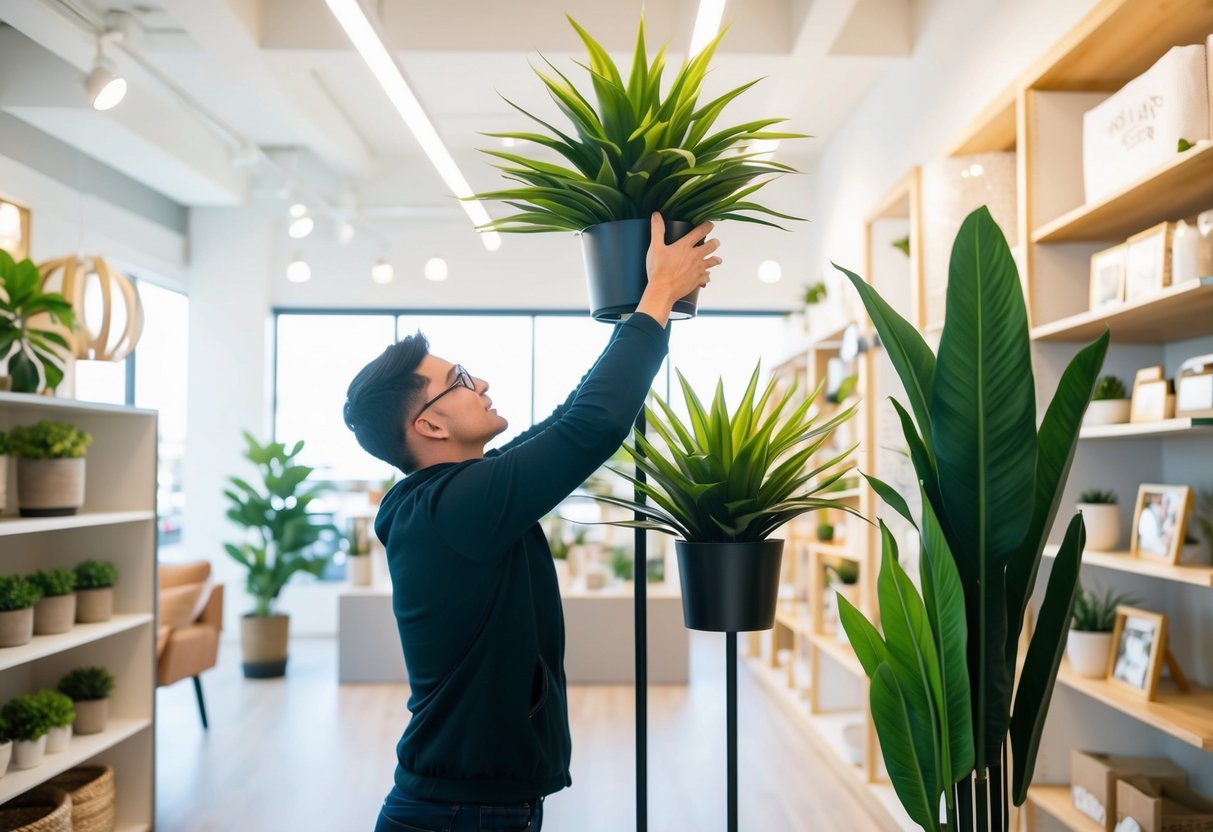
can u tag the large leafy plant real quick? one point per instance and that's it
(991, 482)
(282, 528)
(35, 355)
(637, 152)
(739, 477)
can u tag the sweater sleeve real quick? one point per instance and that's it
(486, 504)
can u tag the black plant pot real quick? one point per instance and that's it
(729, 587)
(614, 267)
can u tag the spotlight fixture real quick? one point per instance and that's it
(105, 88)
(769, 271)
(298, 209)
(382, 272)
(298, 271)
(345, 233)
(301, 227)
(435, 269)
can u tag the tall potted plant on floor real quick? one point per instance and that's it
(722, 485)
(943, 671)
(634, 154)
(35, 356)
(281, 534)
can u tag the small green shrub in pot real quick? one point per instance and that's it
(1089, 644)
(61, 713)
(1110, 403)
(1101, 515)
(1109, 387)
(95, 580)
(825, 532)
(90, 689)
(50, 468)
(56, 611)
(29, 721)
(17, 599)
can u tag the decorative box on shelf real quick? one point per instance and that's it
(1161, 806)
(1094, 776)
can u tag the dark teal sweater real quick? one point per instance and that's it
(475, 595)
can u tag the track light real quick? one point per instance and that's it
(435, 269)
(345, 233)
(382, 272)
(298, 209)
(298, 271)
(105, 88)
(301, 227)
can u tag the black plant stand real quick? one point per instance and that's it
(730, 652)
(640, 582)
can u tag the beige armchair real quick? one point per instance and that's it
(191, 618)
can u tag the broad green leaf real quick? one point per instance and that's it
(865, 640)
(894, 500)
(912, 782)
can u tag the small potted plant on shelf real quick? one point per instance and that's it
(358, 551)
(815, 293)
(282, 535)
(1089, 644)
(17, 599)
(4, 451)
(6, 748)
(50, 468)
(825, 532)
(55, 612)
(1109, 405)
(844, 581)
(1101, 516)
(28, 724)
(35, 356)
(635, 154)
(722, 485)
(60, 713)
(89, 688)
(95, 580)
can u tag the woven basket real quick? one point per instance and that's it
(93, 795)
(43, 809)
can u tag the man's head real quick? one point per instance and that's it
(413, 409)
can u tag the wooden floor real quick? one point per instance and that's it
(304, 753)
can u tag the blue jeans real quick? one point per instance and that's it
(402, 812)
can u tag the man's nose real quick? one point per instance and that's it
(482, 386)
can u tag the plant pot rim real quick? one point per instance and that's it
(683, 542)
(644, 220)
(1092, 632)
(271, 615)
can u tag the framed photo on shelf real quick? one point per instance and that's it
(1148, 262)
(1108, 277)
(14, 228)
(1150, 390)
(1160, 522)
(1139, 647)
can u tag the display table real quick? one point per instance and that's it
(368, 643)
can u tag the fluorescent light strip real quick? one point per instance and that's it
(707, 24)
(366, 40)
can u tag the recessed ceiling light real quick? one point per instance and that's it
(345, 233)
(298, 209)
(382, 272)
(298, 271)
(769, 271)
(435, 269)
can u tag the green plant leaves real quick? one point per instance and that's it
(895, 727)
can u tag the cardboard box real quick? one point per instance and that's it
(1093, 778)
(1162, 807)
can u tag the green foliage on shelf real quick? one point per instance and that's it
(87, 684)
(54, 582)
(59, 708)
(1183, 145)
(902, 245)
(844, 571)
(943, 670)
(731, 478)
(814, 294)
(1109, 387)
(637, 152)
(5, 446)
(825, 532)
(27, 718)
(277, 516)
(17, 593)
(35, 356)
(623, 564)
(49, 440)
(1095, 613)
(1097, 497)
(96, 574)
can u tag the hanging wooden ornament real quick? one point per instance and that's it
(95, 289)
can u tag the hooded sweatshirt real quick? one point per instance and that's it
(475, 595)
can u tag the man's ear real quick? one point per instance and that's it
(428, 429)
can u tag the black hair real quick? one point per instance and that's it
(381, 395)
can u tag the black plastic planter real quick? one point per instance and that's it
(729, 587)
(614, 267)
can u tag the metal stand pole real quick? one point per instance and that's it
(731, 724)
(640, 569)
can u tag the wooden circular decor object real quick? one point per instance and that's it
(69, 277)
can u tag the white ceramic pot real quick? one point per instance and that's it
(852, 739)
(1088, 653)
(360, 570)
(91, 716)
(58, 739)
(29, 754)
(1107, 412)
(1103, 525)
(6, 754)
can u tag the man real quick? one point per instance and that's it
(473, 586)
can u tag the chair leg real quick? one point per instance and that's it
(201, 702)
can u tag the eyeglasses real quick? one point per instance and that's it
(462, 379)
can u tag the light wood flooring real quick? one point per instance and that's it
(304, 753)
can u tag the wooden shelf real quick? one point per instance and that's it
(842, 653)
(1185, 426)
(80, 634)
(1176, 313)
(1185, 716)
(1056, 801)
(1125, 562)
(34, 525)
(793, 622)
(1183, 186)
(49, 406)
(18, 782)
(993, 130)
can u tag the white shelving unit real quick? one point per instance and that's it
(117, 523)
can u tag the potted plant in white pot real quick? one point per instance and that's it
(89, 688)
(282, 534)
(50, 468)
(17, 599)
(60, 713)
(1110, 405)
(722, 485)
(358, 551)
(1101, 516)
(35, 356)
(4, 451)
(55, 612)
(95, 580)
(1089, 644)
(28, 724)
(636, 153)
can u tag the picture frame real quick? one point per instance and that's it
(1148, 262)
(1160, 522)
(1145, 408)
(1152, 401)
(14, 228)
(1107, 287)
(1139, 648)
(1194, 395)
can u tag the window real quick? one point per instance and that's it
(102, 381)
(726, 347)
